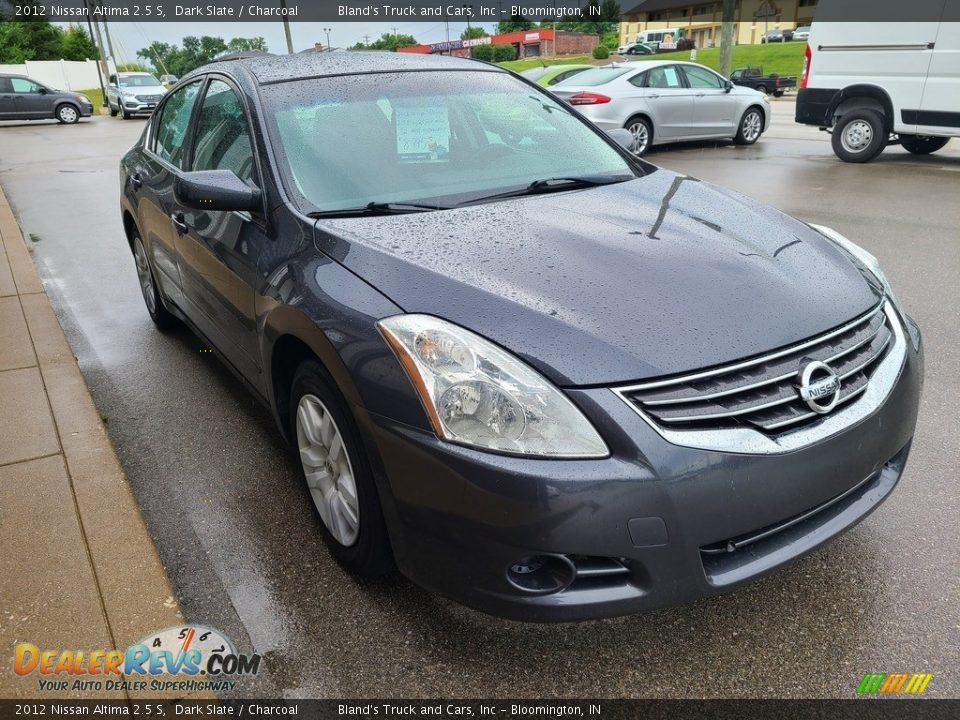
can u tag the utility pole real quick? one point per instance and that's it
(286, 27)
(366, 39)
(726, 36)
(447, 23)
(327, 31)
(103, 90)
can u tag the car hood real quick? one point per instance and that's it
(145, 90)
(656, 276)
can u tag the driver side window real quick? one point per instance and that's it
(171, 132)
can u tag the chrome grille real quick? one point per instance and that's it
(149, 98)
(762, 393)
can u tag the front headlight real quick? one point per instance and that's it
(478, 394)
(868, 260)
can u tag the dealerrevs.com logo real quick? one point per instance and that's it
(894, 683)
(185, 658)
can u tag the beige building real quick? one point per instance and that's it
(701, 20)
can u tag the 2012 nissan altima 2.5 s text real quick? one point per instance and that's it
(529, 370)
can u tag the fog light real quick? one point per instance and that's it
(541, 574)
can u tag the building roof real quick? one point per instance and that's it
(653, 5)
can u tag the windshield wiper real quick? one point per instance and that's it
(377, 208)
(554, 184)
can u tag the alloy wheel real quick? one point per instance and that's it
(145, 276)
(641, 137)
(328, 470)
(856, 136)
(751, 126)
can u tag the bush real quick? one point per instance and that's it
(494, 53)
(600, 53)
(482, 52)
(686, 44)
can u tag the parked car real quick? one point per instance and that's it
(553, 74)
(801, 33)
(22, 98)
(546, 379)
(663, 101)
(772, 84)
(133, 93)
(639, 49)
(772, 36)
(892, 83)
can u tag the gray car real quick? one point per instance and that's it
(663, 101)
(533, 372)
(133, 93)
(22, 98)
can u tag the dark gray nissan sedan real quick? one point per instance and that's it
(529, 370)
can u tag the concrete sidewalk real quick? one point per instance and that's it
(78, 569)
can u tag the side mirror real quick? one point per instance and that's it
(728, 86)
(215, 190)
(622, 137)
(42, 91)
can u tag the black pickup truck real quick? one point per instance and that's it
(754, 78)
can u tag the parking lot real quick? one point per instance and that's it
(223, 499)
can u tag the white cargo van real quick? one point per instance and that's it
(876, 83)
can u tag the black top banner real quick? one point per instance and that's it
(489, 11)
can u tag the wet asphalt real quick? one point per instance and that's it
(223, 500)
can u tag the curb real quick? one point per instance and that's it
(73, 482)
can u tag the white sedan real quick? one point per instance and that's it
(664, 101)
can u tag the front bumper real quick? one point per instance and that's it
(653, 524)
(138, 107)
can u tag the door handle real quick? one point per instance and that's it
(179, 222)
(701, 94)
(136, 181)
(655, 95)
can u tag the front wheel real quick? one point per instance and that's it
(113, 111)
(642, 132)
(123, 113)
(338, 475)
(922, 144)
(859, 136)
(68, 114)
(751, 127)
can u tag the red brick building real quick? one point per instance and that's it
(537, 42)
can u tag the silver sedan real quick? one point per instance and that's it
(662, 101)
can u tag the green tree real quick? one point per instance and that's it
(77, 45)
(160, 55)
(515, 23)
(388, 41)
(31, 39)
(240, 44)
(472, 33)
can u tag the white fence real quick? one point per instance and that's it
(59, 74)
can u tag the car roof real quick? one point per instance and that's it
(132, 73)
(267, 68)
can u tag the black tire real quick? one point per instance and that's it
(369, 556)
(859, 136)
(113, 110)
(751, 126)
(778, 93)
(634, 125)
(161, 317)
(761, 88)
(922, 144)
(67, 113)
(123, 113)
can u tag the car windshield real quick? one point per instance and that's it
(437, 138)
(596, 76)
(138, 81)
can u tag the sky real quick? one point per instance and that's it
(129, 37)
